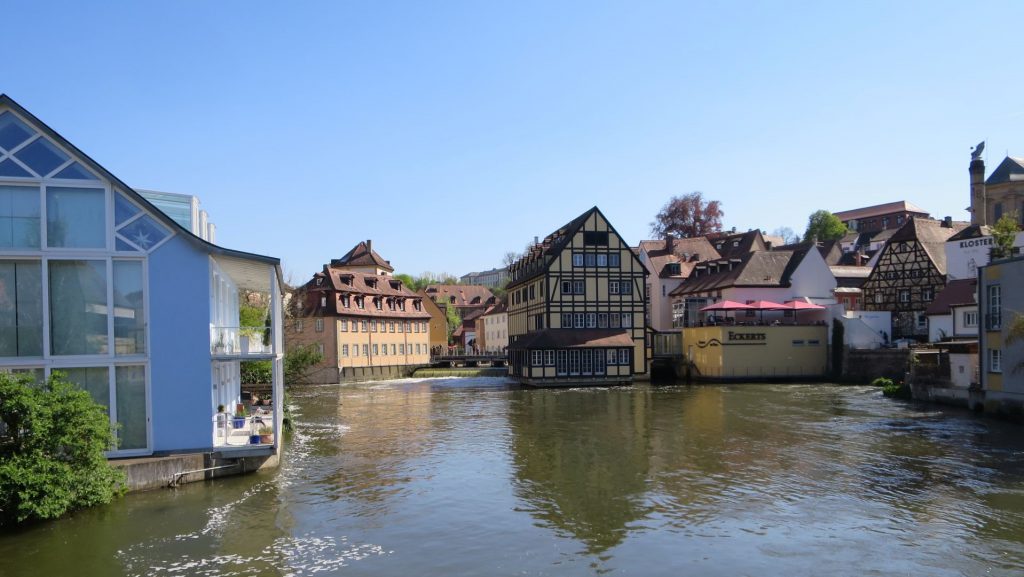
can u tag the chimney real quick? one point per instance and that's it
(536, 240)
(979, 202)
(858, 259)
(669, 242)
(947, 222)
(369, 245)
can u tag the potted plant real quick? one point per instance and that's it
(240, 415)
(254, 439)
(266, 435)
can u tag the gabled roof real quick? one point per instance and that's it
(539, 256)
(931, 235)
(1009, 170)
(972, 231)
(755, 269)
(155, 212)
(733, 245)
(684, 250)
(958, 292)
(466, 295)
(363, 255)
(879, 210)
(335, 282)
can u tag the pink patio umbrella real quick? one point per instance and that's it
(801, 306)
(767, 306)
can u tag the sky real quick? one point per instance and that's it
(450, 132)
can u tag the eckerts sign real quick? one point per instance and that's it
(747, 336)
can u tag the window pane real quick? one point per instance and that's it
(78, 307)
(19, 217)
(123, 209)
(75, 170)
(123, 246)
(131, 406)
(21, 309)
(94, 380)
(144, 232)
(12, 131)
(129, 315)
(75, 217)
(11, 168)
(42, 156)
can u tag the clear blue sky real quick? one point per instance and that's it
(452, 132)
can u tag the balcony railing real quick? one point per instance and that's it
(240, 341)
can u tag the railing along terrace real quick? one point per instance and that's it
(235, 340)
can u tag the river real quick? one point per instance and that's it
(478, 477)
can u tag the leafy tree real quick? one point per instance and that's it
(823, 225)
(1004, 232)
(688, 216)
(298, 361)
(52, 445)
(453, 318)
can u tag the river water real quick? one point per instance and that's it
(478, 477)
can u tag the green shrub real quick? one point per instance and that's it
(52, 443)
(256, 372)
(891, 388)
(298, 362)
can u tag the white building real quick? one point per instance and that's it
(670, 262)
(185, 210)
(101, 285)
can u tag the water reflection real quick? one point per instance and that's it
(476, 477)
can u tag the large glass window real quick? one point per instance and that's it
(21, 309)
(76, 217)
(19, 217)
(78, 307)
(94, 380)
(129, 311)
(130, 384)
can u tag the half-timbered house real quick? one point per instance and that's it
(576, 308)
(910, 270)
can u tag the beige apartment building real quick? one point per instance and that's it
(366, 323)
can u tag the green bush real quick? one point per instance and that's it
(256, 372)
(52, 443)
(891, 388)
(298, 361)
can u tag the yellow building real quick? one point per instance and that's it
(366, 323)
(1001, 302)
(757, 352)
(576, 308)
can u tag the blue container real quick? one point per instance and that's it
(254, 439)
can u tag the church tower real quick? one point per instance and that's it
(979, 208)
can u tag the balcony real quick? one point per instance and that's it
(234, 341)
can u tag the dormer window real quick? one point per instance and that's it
(345, 301)
(451, 300)
(377, 303)
(360, 302)
(417, 305)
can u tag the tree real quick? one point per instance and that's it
(453, 319)
(1004, 232)
(52, 446)
(787, 235)
(688, 216)
(298, 361)
(510, 258)
(823, 225)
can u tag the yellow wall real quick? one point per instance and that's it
(757, 352)
(382, 338)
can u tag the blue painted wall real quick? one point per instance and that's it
(179, 300)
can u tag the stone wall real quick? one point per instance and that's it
(865, 365)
